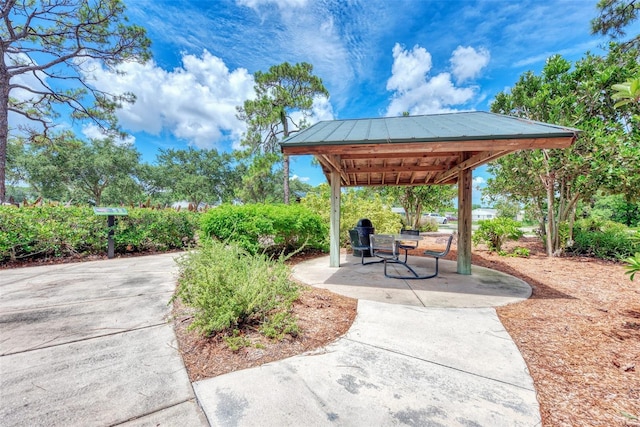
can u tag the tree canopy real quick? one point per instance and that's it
(604, 156)
(614, 16)
(280, 93)
(198, 176)
(415, 199)
(47, 48)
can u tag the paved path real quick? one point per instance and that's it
(88, 344)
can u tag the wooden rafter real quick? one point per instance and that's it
(470, 163)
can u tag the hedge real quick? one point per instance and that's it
(272, 229)
(62, 231)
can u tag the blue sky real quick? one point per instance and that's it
(376, 58)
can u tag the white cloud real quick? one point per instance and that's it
(196, 102)
(94, 131)
(466, 62)
(282, 4)
(300, 178)
(415, 91)
(479, 180)
(409, 69)
(321, 110)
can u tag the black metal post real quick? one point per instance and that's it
(110, 247)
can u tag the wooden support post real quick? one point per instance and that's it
(465, 180)
(334, 227)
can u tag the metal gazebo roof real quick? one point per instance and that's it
(420, 150)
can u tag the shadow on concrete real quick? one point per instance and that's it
(483, 288)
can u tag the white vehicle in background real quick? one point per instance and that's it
(435, 217)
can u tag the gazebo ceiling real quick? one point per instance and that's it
(419, 150)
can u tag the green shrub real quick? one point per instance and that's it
(633, 265)
(61, 231)
(494, 232)
(155, 230)
(428, 225)
(270, 229)
(518, 251)
(603, 239)
(353, 207)
(229, 288)
(49, 231)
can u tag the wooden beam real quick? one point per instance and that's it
(394, 168)
(332, 163)
(403, 183)
(465, 180)
(418, 148)
(334, 221)
(426, 155)
(470, 163)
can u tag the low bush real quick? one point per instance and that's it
(62, 231)
(271, 229)
(231, 289)
(494, 232)
(428, 225)
(603, 239)
(155, 230)
(633, 265)
(518, 251)
(49, 231)
(353, 208)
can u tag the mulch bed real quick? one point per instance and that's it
(579, 334)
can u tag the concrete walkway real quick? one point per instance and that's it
(412, 357)
(88, 344)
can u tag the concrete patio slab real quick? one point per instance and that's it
(483, 288)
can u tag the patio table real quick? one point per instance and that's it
(389, 254)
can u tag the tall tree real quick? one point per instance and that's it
(280, 93)
(43, 166)
(614, 16)
(100, 164)
(261, 181)
(605, 155)
(45, 47)
(414, 199)
(198, 176)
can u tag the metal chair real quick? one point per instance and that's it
(357, 245)
(438, 255)
(383, 246)
(406, 247)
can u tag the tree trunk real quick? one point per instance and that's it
(286, 179)
(551, 226)
(416, 224)
(285, 166)
(4, 125)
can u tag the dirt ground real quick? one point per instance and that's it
(579, 334)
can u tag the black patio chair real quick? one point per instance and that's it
(357, 245)
(406, 246)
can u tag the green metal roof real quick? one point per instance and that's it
(464, 126)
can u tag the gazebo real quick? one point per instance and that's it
(436, 149)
